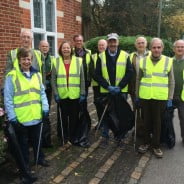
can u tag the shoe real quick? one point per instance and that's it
(158, 153)
(104, 142)
(143, 148)
(29, 179)
(85, 144)
(43, 163)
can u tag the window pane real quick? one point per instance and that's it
(50, 14)
(38, 13)
(37, 38)
(51, 41)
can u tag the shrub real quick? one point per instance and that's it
(127, 44)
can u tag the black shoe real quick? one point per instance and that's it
(44, 163)
(85, 144)
(29, 179)
(104, 142)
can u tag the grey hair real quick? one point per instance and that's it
(156, 39)
(174, 44)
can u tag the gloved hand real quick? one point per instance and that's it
(117, 90)
(111, 89)
(45, 115)
(15, 124)
(137, 103)
(82, 98)
(169, 103)
(56, 98)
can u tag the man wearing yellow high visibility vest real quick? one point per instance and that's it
(155, 88)
(47, 69)
(141, 52)
(102, 45)
(178, 67)
(26, 106)
(26, 38)
(113, 72)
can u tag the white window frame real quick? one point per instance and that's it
(43, 30)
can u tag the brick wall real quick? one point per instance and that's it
(13, 18)
(10, 26)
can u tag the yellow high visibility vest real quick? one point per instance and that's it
(154, 83)
(94, 57)
(52, 59)
(120, 69)
(16, 63)
(72, 91)
(27, 97)
(182, 93)
(133, 53)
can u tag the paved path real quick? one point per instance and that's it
(170, 169)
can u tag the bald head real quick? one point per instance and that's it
(26, 38)
(178, 48)
(141, 44)
(102, 45)
(44, 47)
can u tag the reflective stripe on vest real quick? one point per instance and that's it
(154, 83)
(120, 70)
(182, 93)
(131, 56)
(94, 57)
(14, 59)
(27, 97)
(72, 90)
(52, 59)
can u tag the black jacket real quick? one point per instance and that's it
(111, 68)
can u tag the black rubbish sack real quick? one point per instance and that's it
(119, 116)
(167, 128)
(15, 150)
(84, 126)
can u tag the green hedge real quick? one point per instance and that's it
(127, 44)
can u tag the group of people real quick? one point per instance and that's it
(153, 80)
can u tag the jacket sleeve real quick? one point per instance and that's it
(53, 81)
(44, 101)
(171, 84)
(128, 74)
(138, 79)
(8, 98)
(82, 82)
(98, 75)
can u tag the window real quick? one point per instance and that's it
(44, 23)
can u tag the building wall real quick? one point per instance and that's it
(16, 15)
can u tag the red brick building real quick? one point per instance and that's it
(53, 20)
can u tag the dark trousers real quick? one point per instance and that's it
(46, 135)
(70, 118)
(99, 109)
(180, 106)
(152, 113)
(139, 119)
(26, 135)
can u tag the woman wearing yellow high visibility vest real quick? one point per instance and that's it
(26, 105)
(155, 88)
(69, 89)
